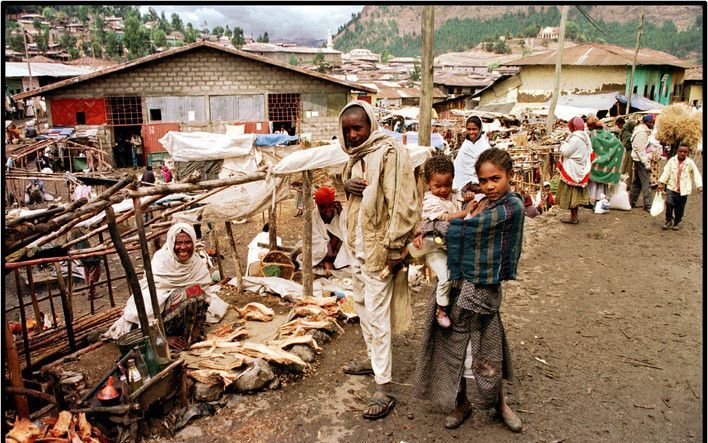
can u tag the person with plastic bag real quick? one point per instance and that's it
(576, 161)
(607, 165)
(642, 163)
(677, 180)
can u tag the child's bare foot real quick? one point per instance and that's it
(442, 318)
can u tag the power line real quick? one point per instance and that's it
(590, 19)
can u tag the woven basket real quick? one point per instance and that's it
(277, 264)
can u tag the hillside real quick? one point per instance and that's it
(395, 29)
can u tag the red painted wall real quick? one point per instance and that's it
(64, 110)
(153, 132)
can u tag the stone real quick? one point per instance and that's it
(205, 392)
(304, 352)
(258, 375)
(190, 432)
(320, 337)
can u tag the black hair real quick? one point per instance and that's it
(437, 164)
(266, 227)
(148, 168)
(356, 109)
(620, 120)
(498, 157)
(476, 120)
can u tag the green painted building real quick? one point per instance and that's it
(659, 83)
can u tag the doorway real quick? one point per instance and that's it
(123, 148)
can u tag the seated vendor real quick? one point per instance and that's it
(545, 198)
(180, 272)
(329, 229)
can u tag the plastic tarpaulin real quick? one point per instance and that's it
(412, 137)
(193, 146)
(274, 139)
(570, 106)
(332, 155)
(641, 103)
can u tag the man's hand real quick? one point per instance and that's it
(355, 186)
(660, 187)
(468, 196)
(418, 242)
(328, 269)
(338, 207)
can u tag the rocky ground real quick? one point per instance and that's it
(604, 324)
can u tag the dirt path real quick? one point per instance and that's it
(604, 323)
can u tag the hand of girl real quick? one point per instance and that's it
(468, 196)
(418, 242)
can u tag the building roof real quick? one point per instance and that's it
(270, 47)
(19, 69)
(448, 79)
(694, 74)
(41, 59)
(393, 90)
(592, 54)
(179, 50)
(92, 62)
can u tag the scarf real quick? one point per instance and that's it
(371, 144)
(609, 152)
(466, 159)
(576, 159)
(485, 249)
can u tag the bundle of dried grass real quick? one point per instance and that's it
(677, 125)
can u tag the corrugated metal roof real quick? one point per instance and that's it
(19, 70)
(460, 80)
(270, 47)
(179, 50)
(694, 74)
(601, 55)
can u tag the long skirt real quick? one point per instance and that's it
(184, 315)
(570, 197)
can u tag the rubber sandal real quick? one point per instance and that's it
(383, 401)
(511, 420)
(358, 368)
(455, 419)
(570, 222)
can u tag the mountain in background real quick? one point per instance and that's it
(395, 29)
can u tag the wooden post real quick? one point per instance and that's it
(237, 259)
(33, 297)
(426, 85)
(559, 62)
(307, 233)
(51, 303)
(23, 318)
(272, 226)
(130, 274)
(215, 240)
(15, 373)
(629, 93)
(66, 307)
(108, 274)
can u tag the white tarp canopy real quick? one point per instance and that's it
(331, 156)
(570, 106)
(198, 146)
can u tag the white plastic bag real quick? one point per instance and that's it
(657, 206)
(620, 198)
(603, 205)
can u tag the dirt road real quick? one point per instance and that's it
(604, 324)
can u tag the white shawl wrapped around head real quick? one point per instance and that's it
(169, 275)
(466, 159)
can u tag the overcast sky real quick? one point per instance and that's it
(281, 22)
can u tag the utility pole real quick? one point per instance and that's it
(559, 62)
(29, 67)
(426, 84)
(630, 91)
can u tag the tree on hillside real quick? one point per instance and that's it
(114, 47)
(319, 61)
(218, 31)
(49, 13)
(136, 37)
(228, 32)
(415, 72)
(190, 35)
(151, 16)
(266, 39)
(98, 29)
(500, 47)
(82, 13)
(159, 38)
(177, 24)
(237, 40)
(96, 48)
(14, 40)
(67, 40)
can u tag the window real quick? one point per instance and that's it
(283, 107)
(155, 115)
(646, 89)
(652, 95)
(237, 108)
(124, 111)
(80, 118)
(183, 109)
(635, 90)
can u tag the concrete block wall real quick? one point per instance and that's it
(322, 128)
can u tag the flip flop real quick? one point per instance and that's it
(383, 401)
(358, 368)
(455, 419)
(570, 222)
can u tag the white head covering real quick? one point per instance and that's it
(167, 270)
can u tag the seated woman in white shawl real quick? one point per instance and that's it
(475, 143)
(180, 275)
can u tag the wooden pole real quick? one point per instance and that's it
(630, 91)
(173, 188)
(33, 297)
(131, 275)
(426, 85)
(23, 318)
(237, 259)
(556, 82)
(66, 307)
(215, 240)
(307, 233)
(51, 303)
(147, 265)
(15, 373)
(108, 274)
(272, 226)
